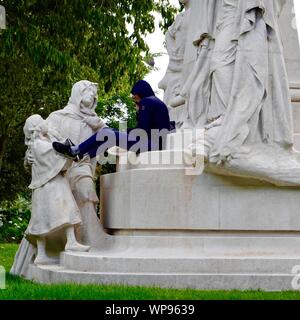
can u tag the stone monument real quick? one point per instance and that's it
(236, 225)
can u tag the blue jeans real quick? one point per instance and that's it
(108, 138)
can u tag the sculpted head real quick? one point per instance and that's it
(89, 98)
(84, 95)
(34, 124)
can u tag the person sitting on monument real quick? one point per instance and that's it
(153, 125)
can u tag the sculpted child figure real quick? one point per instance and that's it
(53, 206)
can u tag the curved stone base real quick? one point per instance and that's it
(209, 281)
(207, 262)
(168, 229)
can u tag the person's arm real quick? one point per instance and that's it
(143, 119)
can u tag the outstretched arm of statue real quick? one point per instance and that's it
(177, 101)
(94, 122)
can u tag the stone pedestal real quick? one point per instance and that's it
(169, 229)
(168, 199)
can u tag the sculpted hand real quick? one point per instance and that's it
(29, 158)
(216, 123)
(94, 122)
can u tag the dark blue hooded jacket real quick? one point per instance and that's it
(153, 113)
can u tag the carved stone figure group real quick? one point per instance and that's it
(233, 83)
(226, 74)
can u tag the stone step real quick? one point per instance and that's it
(165, 159)
(97, 262)
(201, 281)
(167, 242)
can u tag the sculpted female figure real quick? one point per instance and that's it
(172, 81)
(238, 89)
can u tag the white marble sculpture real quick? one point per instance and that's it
(78, 121)
(209, 231)
(236, 87)
(172, 81)
(54, 210)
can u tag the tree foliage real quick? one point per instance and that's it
(50, 44)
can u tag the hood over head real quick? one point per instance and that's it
(143, 89)
(77, 95)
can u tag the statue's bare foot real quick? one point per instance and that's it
(77, 247)
(43, 259)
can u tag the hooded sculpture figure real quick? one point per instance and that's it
(78, 121)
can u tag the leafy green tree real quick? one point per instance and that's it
(50, 44)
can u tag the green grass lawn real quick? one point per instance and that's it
(17, 288)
